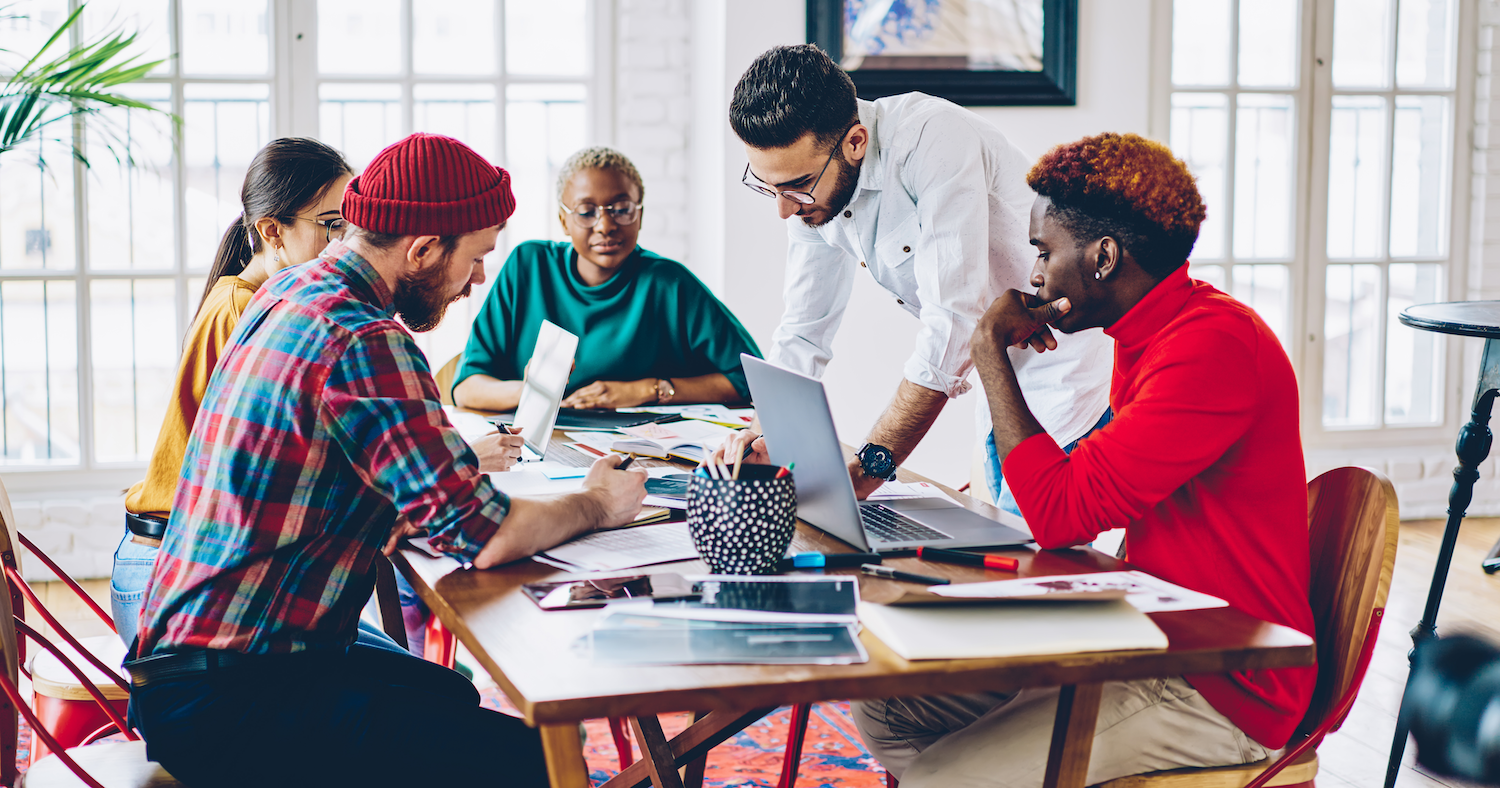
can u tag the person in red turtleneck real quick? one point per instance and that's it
(1202, 466)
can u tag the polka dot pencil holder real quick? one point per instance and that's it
(743, 527)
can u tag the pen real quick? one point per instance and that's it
(785, 471)
(907, 577)
(818, 560)
(967, 559)
(626, 464)
(504, 430)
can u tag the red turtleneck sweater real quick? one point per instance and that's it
(1202, 467)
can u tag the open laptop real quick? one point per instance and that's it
(798, 425)
(542, 388)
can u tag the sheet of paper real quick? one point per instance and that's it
(595, 440)
(470, 426)
(895, 491)
(719, 414)
(1146, 593)
(665, 503)
(704, 432)
(529, 480)
(623, 548)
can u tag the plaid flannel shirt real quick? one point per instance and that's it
(320, 425)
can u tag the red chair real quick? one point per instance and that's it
(74, 711)
(122, 764)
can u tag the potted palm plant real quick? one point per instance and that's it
(57, 86)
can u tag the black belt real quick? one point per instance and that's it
(165, 667)
(147, 525)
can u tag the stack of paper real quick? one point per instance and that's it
(737, 418)
(759, 620)
(687, 440)
(623, 548)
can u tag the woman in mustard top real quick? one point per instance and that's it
(291, 198)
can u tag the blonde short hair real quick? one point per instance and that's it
(600, 158)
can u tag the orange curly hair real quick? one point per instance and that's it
(1128, 182)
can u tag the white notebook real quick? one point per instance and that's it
(1010, 630)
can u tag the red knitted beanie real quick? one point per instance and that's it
(428, 184)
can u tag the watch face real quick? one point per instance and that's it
(877, 461)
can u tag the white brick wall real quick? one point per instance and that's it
(652, 114)
(80, 533)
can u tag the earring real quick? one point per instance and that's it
(1097, 275)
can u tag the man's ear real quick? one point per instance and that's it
(857, 143)
(425, 250)
(1107, 257)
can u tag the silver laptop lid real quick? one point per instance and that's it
(542, 389)
(793, 411)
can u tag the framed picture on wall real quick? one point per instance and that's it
(973, 52)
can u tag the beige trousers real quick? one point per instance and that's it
(1001, 739)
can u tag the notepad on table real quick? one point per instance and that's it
(1012, 630)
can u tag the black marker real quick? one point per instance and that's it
(906, 577)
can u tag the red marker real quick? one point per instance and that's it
(969, 559)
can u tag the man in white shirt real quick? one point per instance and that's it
(930, 199)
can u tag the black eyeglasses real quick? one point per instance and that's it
(332, 228)
(587, 214)
(806, 198)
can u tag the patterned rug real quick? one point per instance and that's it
(832, 754)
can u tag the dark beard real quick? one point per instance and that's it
(420, 300)
(843, 190)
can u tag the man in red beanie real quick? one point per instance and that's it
(320, 430)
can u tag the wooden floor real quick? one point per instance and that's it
(1355, 757)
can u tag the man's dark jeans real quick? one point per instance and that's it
(367, 716)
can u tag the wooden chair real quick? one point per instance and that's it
(1353, 524)
(444, 377)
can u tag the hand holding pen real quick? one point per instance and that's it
(498, 451)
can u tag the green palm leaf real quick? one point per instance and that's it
(79, 83)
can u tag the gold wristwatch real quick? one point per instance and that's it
(665, 391)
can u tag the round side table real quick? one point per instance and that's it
(1468, 319)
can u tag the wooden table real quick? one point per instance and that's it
(530, 655)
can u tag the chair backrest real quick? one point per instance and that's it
(1352, 528)
(444, 377)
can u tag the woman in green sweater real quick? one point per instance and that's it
(649, 332)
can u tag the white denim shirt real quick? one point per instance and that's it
(940, 219)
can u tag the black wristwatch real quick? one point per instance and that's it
(877, 462)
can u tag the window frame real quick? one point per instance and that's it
(1310, 261)
(292, 78)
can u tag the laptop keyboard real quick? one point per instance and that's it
(886, 525)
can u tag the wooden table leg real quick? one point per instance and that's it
(656, 752)
(1073, 736)
(564, 749)
(693, 743)
(692, 774)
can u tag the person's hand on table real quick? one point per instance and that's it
(1018, 319)
(613, 394)
(498, 451)
(617, 493)
(735, 444)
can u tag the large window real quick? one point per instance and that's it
(102, 267)
(1324, 137)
